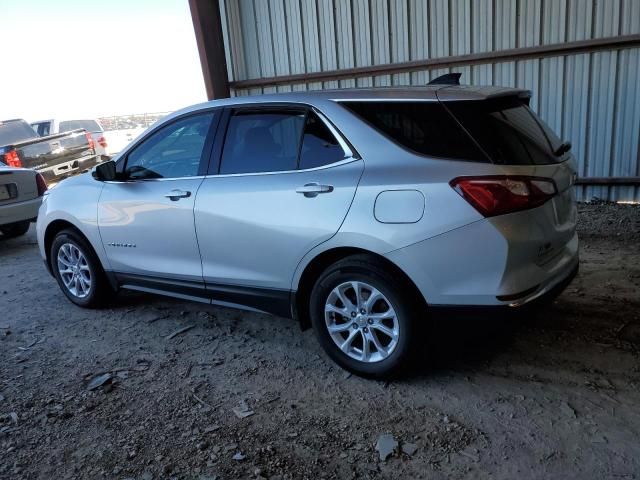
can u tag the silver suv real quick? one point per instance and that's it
(356, 212)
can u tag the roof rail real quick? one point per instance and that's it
(446, 79)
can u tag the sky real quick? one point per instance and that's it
(71, 59)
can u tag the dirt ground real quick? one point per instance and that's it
(551, 396)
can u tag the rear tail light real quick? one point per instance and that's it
(501, 194)
(102, 142)
(92, 144)
(12, 159)
(42, 184)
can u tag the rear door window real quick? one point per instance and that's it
(423, 127)
(507, 130)
(262, 140)
(319, 146)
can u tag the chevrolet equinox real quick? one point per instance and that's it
(354, 211)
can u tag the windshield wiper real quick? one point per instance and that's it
(562, 149)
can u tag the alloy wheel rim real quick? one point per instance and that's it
(74, 270)
(361, 321)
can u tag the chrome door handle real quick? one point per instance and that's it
(313, 189)
(177, 194)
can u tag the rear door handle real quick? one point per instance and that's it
(313, 189)
(177, 194)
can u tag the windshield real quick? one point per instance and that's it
(88, 125)
(42, 128)
(507, 130)
(15, 131)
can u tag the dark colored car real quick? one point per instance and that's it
(53, 156)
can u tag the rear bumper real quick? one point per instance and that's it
(20, 211)
(66, 169)
(544, 297)
(479, 266)
(507, 311)
(551, 289)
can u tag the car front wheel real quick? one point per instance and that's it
(78, 271)
(364, 317)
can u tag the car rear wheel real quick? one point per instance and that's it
(15, 229)
(364, 318)
(78, 271)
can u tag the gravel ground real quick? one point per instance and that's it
(551, 396)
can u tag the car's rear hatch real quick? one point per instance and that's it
(518, 143)
(510, 134)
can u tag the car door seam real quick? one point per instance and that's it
(355, 191)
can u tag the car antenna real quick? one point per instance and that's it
(446, 79)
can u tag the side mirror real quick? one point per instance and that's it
(105, 171)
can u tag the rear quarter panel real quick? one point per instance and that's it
(390, 167)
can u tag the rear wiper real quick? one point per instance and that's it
(562, 149)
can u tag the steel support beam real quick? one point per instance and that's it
(631, 181)
(499, 56)
(207, 25)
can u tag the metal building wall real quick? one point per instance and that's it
(591, 99)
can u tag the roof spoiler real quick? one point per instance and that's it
(446, 79)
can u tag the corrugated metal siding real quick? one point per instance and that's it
(591, 99)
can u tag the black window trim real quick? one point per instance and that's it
(207, 150)
(349, 150)
(215, 163)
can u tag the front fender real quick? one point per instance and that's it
(75, 202)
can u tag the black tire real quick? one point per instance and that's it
(100, 291)
(15, 229)
(410, 315)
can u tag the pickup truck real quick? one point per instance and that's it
(54, 156)
(52, 125)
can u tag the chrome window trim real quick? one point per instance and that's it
(336, 134)
(156, 179)
(253, 174)
(350, 155)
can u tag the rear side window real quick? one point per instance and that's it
(507, 130)
(262, 141)
(319, 146)
(88, 125)
(424, 127)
